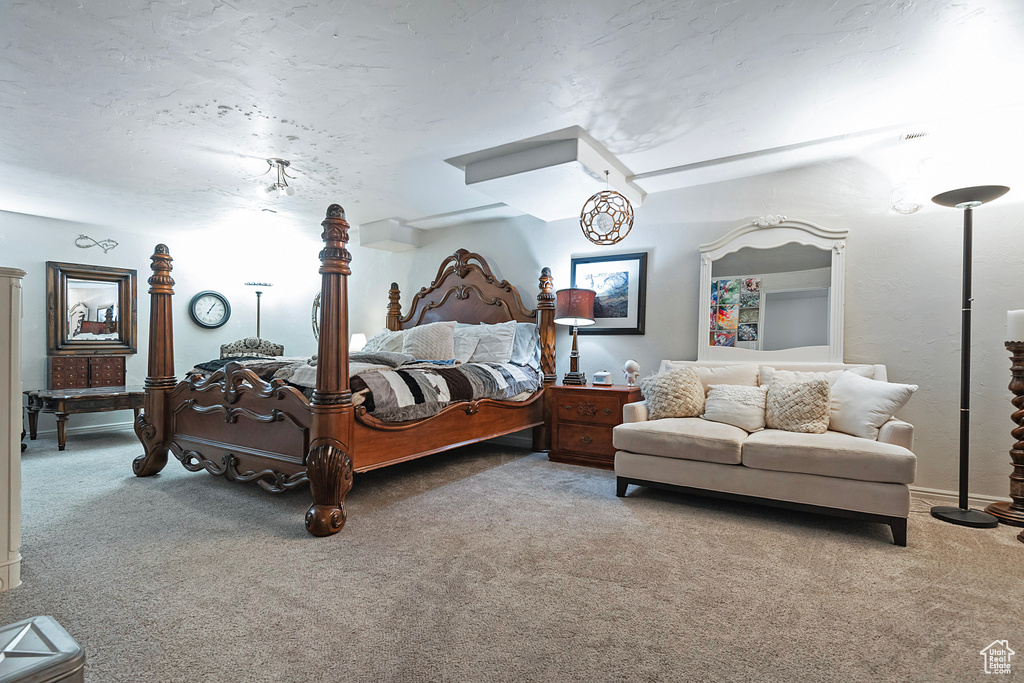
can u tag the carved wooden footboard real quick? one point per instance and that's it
(235, 425)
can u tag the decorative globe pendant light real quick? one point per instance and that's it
(607, 217)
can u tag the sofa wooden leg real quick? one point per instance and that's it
(899, 530)
(620, 486)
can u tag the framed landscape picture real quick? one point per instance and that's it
(621, 285)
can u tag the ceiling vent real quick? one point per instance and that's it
(548, 176)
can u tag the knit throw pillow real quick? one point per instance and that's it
(433, 341)
(736, 405)
(798, 406)
(676, 393)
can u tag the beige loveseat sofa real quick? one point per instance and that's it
(831, 473)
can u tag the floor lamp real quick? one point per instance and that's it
(966, 198)
(259, 293)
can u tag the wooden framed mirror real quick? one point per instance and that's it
(90, 309)
(773, 289)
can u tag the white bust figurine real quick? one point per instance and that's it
(632, 371)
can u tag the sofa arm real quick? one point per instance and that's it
(897, 432)
(635, 412)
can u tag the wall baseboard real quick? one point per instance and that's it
(952, 497)
(116, 426)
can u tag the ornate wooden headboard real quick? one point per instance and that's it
(465, 292)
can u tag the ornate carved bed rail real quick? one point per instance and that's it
(235, 425)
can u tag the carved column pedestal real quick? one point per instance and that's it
(1013, 512)
(10, 427)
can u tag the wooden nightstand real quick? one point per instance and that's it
(582, 422)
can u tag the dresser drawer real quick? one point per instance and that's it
(589, 439)
(591, 407)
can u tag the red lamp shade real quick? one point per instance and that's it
(574, 306)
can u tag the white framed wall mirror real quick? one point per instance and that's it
(773, 289)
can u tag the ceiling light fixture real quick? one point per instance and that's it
(607, 217)
(281, 184)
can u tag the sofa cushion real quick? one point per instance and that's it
(768, 373)
(797, 406)
(687, 438)
(860, 406)
(728, 373)
(736, 405)
(830, 454)
(676, 393)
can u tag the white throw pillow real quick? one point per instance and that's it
(526, 345)
(860, 406)
(433, 341)
(385, 341)
(465, 345)
(733, 404)
(768, 373)
(676, 393)
(798, 406)
(495, 345)
(742, 374)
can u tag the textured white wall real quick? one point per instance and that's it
(902, 289)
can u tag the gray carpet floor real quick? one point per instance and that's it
(490, 563)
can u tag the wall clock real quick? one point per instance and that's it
(209, 309)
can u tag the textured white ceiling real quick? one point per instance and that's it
(152, 115)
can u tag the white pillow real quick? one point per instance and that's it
(768, 373)
(743, 374)
(526, 345)
(386, 341)
(465, 345)
(433, 341)
(860, 406)
(495, 345)
(733, 404)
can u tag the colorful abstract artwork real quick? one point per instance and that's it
(728, 317)
(750, 315)
(729, 292)
(735, 310)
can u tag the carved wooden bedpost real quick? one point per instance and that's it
(328, 464)
(546, 327)
(394, 307)
(153, 424)
(546, 323)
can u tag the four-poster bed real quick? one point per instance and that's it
(237, 425)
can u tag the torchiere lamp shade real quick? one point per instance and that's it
(574, 306)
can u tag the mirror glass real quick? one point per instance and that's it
(771, 299)
(90, 309)
(773, 291)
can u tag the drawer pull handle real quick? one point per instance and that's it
(586, 438)
(567, 407)
(607, 411)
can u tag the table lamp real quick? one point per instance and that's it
(574, 307)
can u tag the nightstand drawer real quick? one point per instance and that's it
(591, 407)
(590, 439)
